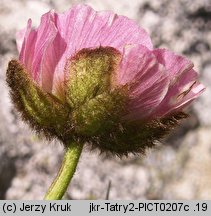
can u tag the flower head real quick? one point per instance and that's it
(95, 77)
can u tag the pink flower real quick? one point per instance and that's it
(159, 83)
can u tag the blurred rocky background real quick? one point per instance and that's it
(180, 168)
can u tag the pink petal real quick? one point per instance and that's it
(82, 27)
(195, 91)
(35, 44)
(46, 33)
(175, 64)
(51, 57)
(27, 50)
(146, 78)
(185, 90)
(184, 86)
(90, 28)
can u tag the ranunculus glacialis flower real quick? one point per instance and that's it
(95, 77)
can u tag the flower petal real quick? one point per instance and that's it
(27, 50)
(175, 64)
(89, 29)
(146, 78)
(184, 86)
(51, 57)
(46, 33)
(35, 44)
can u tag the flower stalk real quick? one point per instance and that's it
(66, 172)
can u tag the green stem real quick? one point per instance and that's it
(66, 172)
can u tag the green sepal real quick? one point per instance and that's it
(99, 114)
(135, 137)
(90, 74)
(43, 111)
(96, 104)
